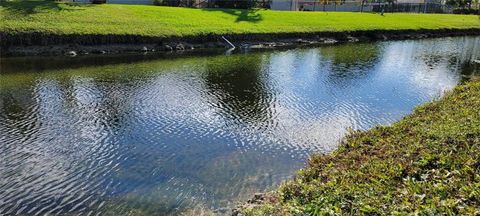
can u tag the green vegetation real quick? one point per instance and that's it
(69, 18)
(428, 163)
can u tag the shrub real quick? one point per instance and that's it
(99, 1)
(465, 11)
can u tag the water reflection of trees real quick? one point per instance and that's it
(468, 69)
(37, 64)
(14, 108)
(238, 86)
(455, 57)
(54, 108)
(463, 61)
(350, 61)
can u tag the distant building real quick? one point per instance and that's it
(319, 5)
(413, 6)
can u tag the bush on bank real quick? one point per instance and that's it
(466, 11)
(427, 163)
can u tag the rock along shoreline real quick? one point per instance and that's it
(41, 44)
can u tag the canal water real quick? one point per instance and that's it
(171, 134)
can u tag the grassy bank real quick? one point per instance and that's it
(65, 18)
(427, 163)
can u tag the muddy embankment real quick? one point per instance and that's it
(31, 44)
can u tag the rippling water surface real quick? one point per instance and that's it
(163, 135)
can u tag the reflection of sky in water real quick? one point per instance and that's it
(203, 132)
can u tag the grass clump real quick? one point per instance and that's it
(52, 17)
(428, 163)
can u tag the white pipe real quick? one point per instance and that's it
(229, 43)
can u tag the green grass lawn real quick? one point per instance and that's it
(66, 18)
(427, 163)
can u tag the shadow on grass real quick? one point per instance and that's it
(242, 15)
(32, 7)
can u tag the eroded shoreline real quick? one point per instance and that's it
(40, 44)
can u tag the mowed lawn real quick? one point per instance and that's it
(68, 18)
